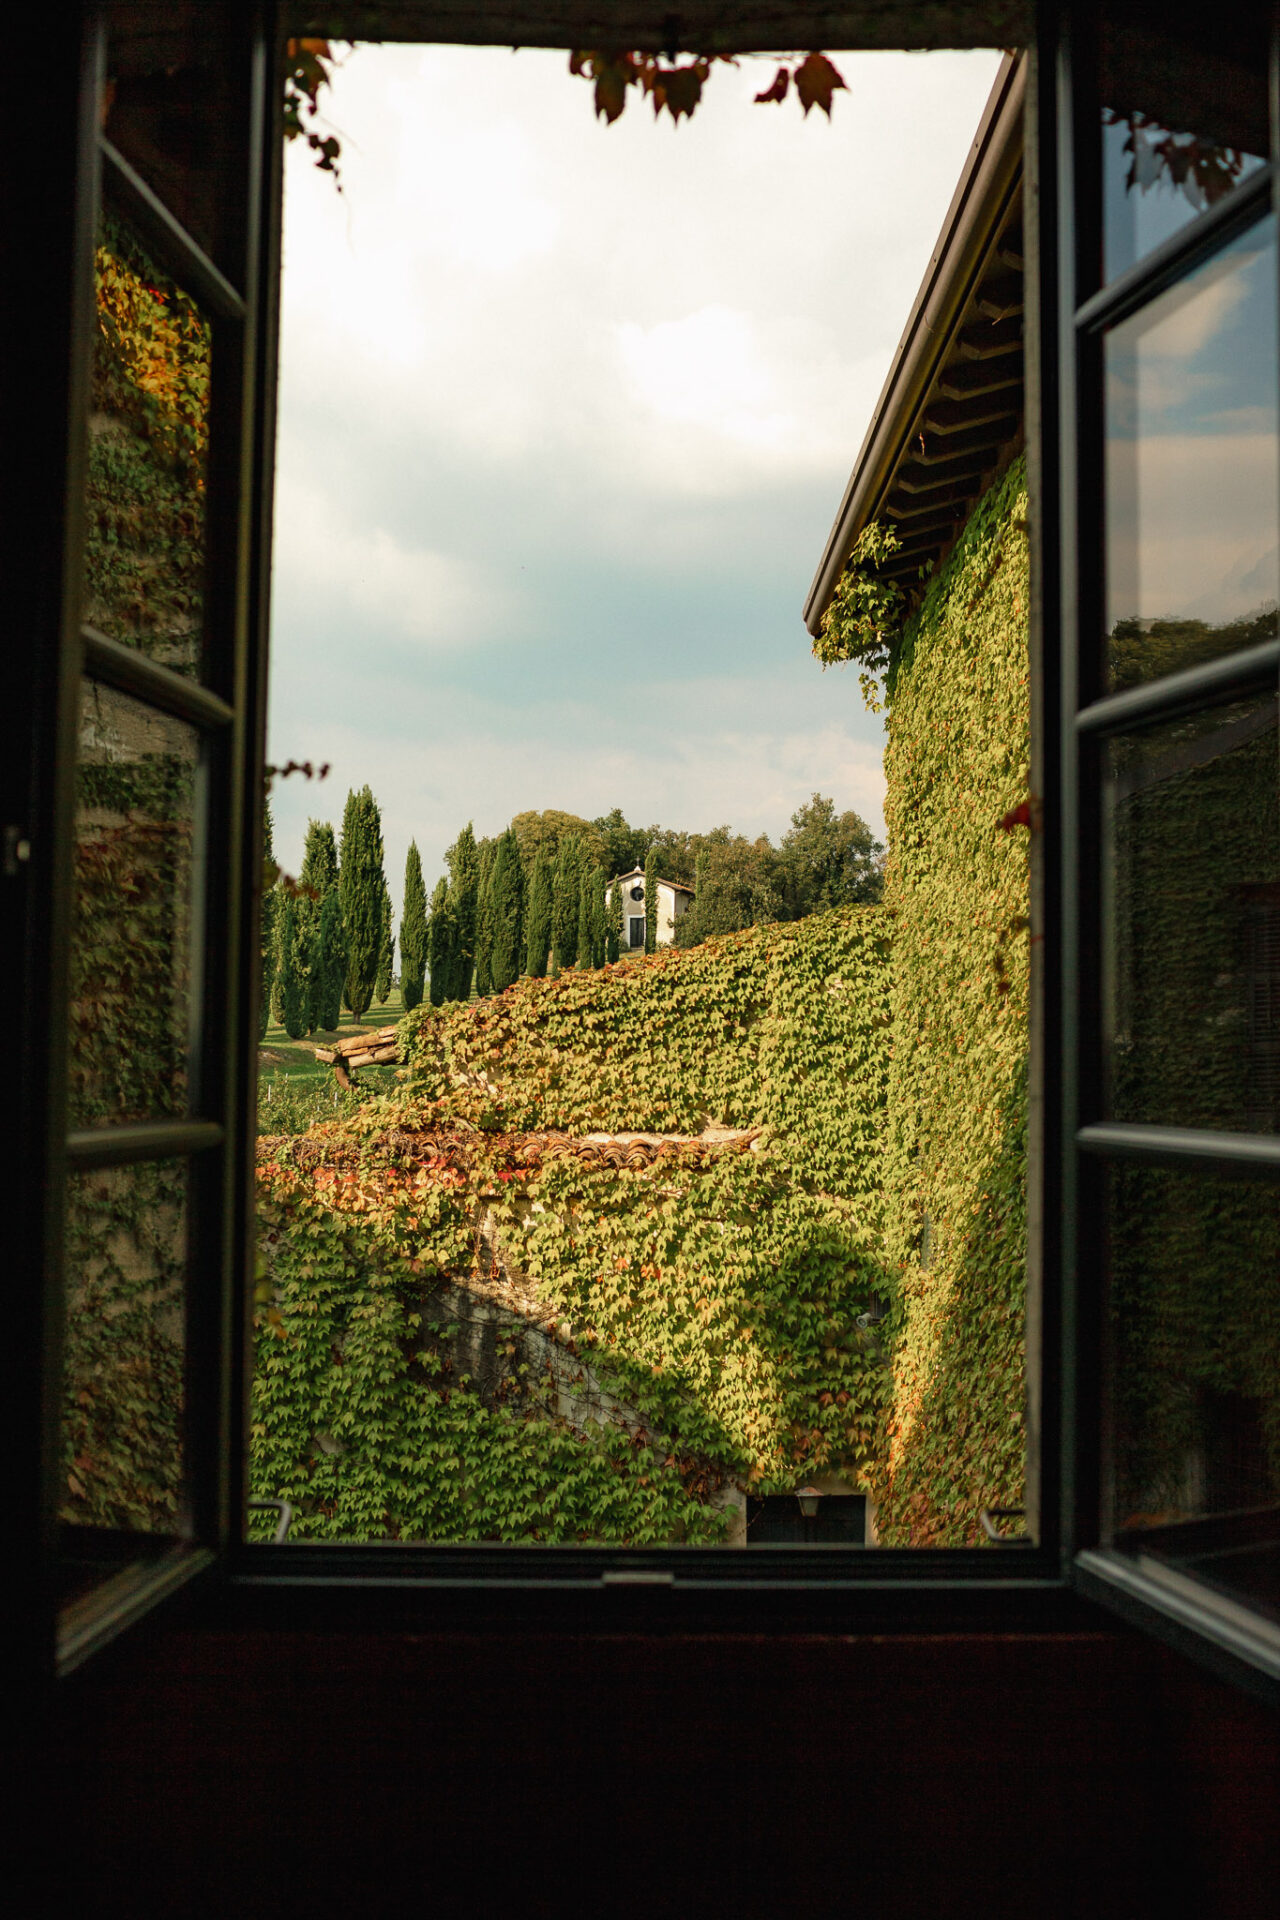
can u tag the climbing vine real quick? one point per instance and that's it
(707, 1295)
(954, 1162)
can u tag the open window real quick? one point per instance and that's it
(132, 815)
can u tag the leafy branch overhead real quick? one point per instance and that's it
(308, 67)
(678, 85)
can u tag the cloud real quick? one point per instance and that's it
(363, 576)
(566, 411)
(1192, 526)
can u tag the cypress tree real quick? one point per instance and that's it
(564, 910)
(328, 965)
(538, 931)
(279, 902)
(361, 886)
(584, 919)
(319, 873)
(319, 866)
(267, 930)
(440, 944)
(293, 985)
(386, 949)
(413, 931)
(463, 860)
(597, 927)
(507, 892)
(613, 923)
(651, 902)
(484, 918)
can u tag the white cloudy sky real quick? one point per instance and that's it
(566, 413)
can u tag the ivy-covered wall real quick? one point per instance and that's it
(954, 1164)
(706, 1285)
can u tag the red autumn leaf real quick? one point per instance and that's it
(778, 91)
(816, 81)
(678, 89)
(611, 89)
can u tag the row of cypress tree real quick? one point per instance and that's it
(327, 938)
(492, 918)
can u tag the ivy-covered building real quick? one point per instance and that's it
(923, 583)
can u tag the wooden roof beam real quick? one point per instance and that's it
(963, 381)
(962, 416)
(987, 438)
(987, 341)
(1001, 296)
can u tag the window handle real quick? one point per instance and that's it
(285, 1521)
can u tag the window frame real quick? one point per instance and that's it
(1044, 1587)
(1232, 1640)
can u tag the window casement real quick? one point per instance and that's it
(1154, 1158)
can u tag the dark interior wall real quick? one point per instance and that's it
(252, 1773)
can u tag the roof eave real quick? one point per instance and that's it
(978, 204)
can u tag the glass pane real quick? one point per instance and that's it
(1185, 123)
(148, 452)
(133, 933)
(1156, 180)
(1195, 1330)
(1192, 893)
(126, 1257)
(1191, 467)
(175, 108)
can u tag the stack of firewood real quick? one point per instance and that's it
(380, 1049)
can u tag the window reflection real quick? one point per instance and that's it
(1195, 1330)
(132, 997)
(1155, 181)
(1192, 496)
(126, 1245)
(148, 449)
(1192, 917)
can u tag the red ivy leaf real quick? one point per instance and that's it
(1017, 817)
(816, 81)
(778, 91)
(678, 89)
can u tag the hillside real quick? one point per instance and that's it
(597, 1266)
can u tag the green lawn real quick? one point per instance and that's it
(297, 1058)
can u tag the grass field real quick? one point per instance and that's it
(294, 1088)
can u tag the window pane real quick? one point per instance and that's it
(175, 108)
(1195, 1328)
(1156, 180)
(148, 449)
(126, 1255)
(1191, 467)
(1192, 893)
(1187, 121)
(133, 933)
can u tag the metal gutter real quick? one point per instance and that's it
(990, 176)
